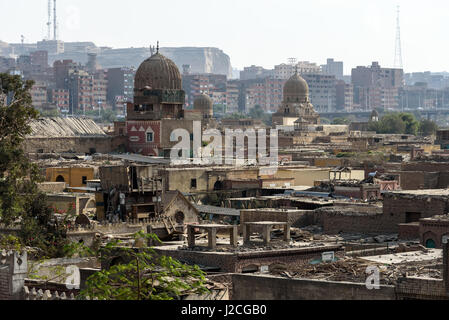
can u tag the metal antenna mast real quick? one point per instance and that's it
(55, 24)
(398, 51)
(49, 21)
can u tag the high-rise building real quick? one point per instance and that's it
(39, 94)
(344, 95)
(51, 46)
(285, 71)
(87, 92)
(39, 61)
(232, 96)
(60, 98)
(61, 71)
(197, 84)
(120, 85)
(255, 72)
(376, 87)
(334, 68)
(322, 91)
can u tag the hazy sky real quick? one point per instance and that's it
(260, 32)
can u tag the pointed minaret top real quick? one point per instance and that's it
(157, 49)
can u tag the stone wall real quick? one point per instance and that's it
(260, 287)
(238, 262)
(13, 270)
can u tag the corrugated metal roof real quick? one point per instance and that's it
(64, 127)
(140, 158)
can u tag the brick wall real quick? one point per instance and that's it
(420, 288)
(413, 180)
(396, 208)
(236, 262)
(260, 287)
(296, 218)
(433, 229)
(409, 231)
(334, 223)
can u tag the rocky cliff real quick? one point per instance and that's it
(201, 60)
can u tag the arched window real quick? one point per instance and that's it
(179, 217)
(149, 135)
(430, 243)
(60, 179)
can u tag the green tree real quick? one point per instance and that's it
(143, 274)
(18, 175)
(391, 123)
(234, 116)
(257, 112)
(49, 113)
(341, 121)
(396, 123)
(411, 124)
(21, 203)
(427, 127)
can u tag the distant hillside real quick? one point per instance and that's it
(201, 59)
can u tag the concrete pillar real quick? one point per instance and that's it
(191, 236)
(212, 238)
(234, 236)
(287, 232)
(246, 233)
(266, 234)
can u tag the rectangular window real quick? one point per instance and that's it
(193, 183)
(412, 217)
(150, 136)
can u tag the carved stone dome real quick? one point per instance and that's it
(204, 104)
(296, 89)
(158, 72)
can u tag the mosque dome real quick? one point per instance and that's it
(203, 103)
(158, 72)
(296, 89)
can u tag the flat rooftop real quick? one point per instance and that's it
(407, 257)
(426, 192)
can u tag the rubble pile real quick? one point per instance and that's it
(354, 270)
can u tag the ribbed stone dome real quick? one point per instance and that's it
(296, 88)
(204, 104)
(158, 72)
